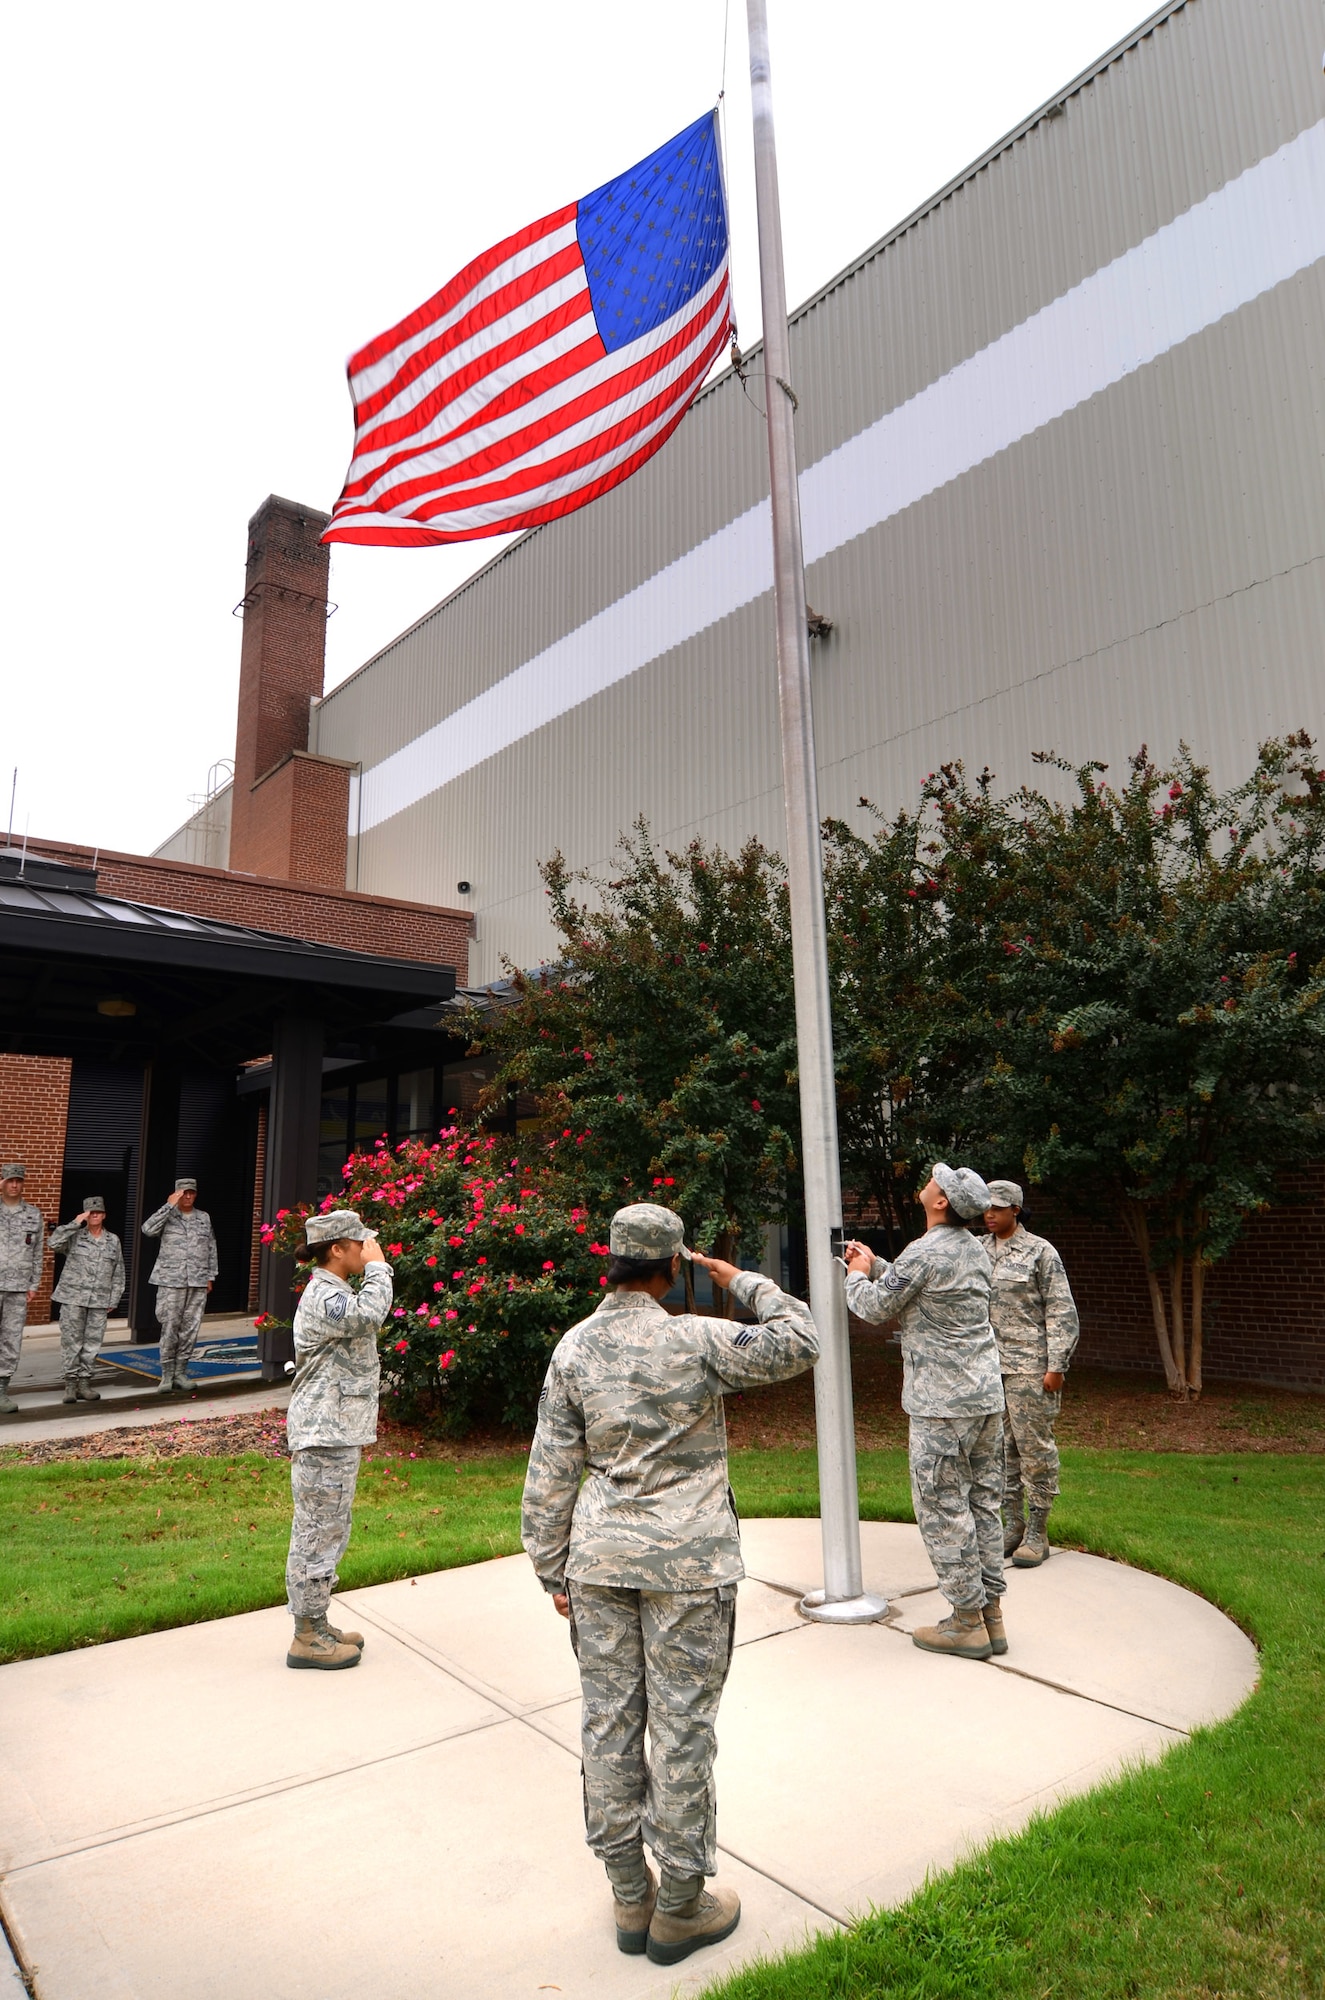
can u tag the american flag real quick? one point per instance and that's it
(550, 368)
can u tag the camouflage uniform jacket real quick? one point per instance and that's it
(93, 1273)
(1032, 1308)
(188, 1247)
(22, 1240)
(939, 1289)
(633, 1397)
(334, 1400)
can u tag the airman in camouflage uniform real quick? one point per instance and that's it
(644, 1558)
(951, 1390)
(332, 1415)
(22, 1243)
(1035, 1324)
(182, 1274)
(91, 1282)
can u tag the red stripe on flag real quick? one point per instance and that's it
(464, 281)
(505, 450)
(486, 313)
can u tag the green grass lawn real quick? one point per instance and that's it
(1202, 1877)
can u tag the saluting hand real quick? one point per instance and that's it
(718, 1269)
(172, 1200)
(372, 1251)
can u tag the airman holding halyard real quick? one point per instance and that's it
(91, 1282)
(951, 1390)
(630, 1524)
(1035, 1324)
(182, 1274)
(22, 1243)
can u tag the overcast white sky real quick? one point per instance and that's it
(209, 208)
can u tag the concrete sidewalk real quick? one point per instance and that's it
(184, 1819)
(38, 1388)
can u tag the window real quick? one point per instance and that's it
(414, 1106)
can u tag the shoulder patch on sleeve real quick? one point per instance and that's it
(745, 1338)
(894, 1281)
(336, 1306)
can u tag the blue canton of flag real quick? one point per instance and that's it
(550, 368)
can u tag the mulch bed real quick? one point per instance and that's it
(1101, 1411)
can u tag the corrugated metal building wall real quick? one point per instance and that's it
(1061, 437)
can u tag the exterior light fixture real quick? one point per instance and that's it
(463, 888)
(117, 1006)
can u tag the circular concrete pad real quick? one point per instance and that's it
(185, 1820)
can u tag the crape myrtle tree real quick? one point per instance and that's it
(914, 921)
(1157, 1007)
(659, 1046)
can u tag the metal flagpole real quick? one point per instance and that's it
(842, 1599)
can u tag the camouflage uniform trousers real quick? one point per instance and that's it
(657, 1658)
(957, 1489)
(322, 1479)
(82, 1330)
(179, 1310)
(13, 1319)
(1030, 1455)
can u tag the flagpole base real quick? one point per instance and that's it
(862, 1610)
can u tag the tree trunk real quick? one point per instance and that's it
(1198, 1300)
(1137, 1227)
(722, 1300)
(1178, 1334)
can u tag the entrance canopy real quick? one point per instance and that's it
(85, 974)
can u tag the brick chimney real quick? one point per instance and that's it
(290, 808)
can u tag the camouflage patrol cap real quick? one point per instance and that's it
(647, 1232)
(1005, 1194)
(94, 1205)
(182, 1187)
(341, 1225)
(965, 1189)
(13, 1172)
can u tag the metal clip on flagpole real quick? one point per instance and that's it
(842, 1599)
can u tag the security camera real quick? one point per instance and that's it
(463, 888)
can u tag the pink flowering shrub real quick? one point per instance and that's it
(492, 1260)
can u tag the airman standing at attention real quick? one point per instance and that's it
(91, 1282)
(644, 1558)
(22, 1244)
(1035, 1324)
(332, 1416)
(183, 1275)
(951, 1390)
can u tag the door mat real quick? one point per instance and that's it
(209, 1359)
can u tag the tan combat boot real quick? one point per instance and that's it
(1034, 1548)
(707, 1918)
(1014, 1522)
(633, 1919)
(86, 1393)
(341, 1638)
(316, 1648)
(70, 1390)
(962, 1633)
(993, 1616)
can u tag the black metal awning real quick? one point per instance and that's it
(83, 973)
